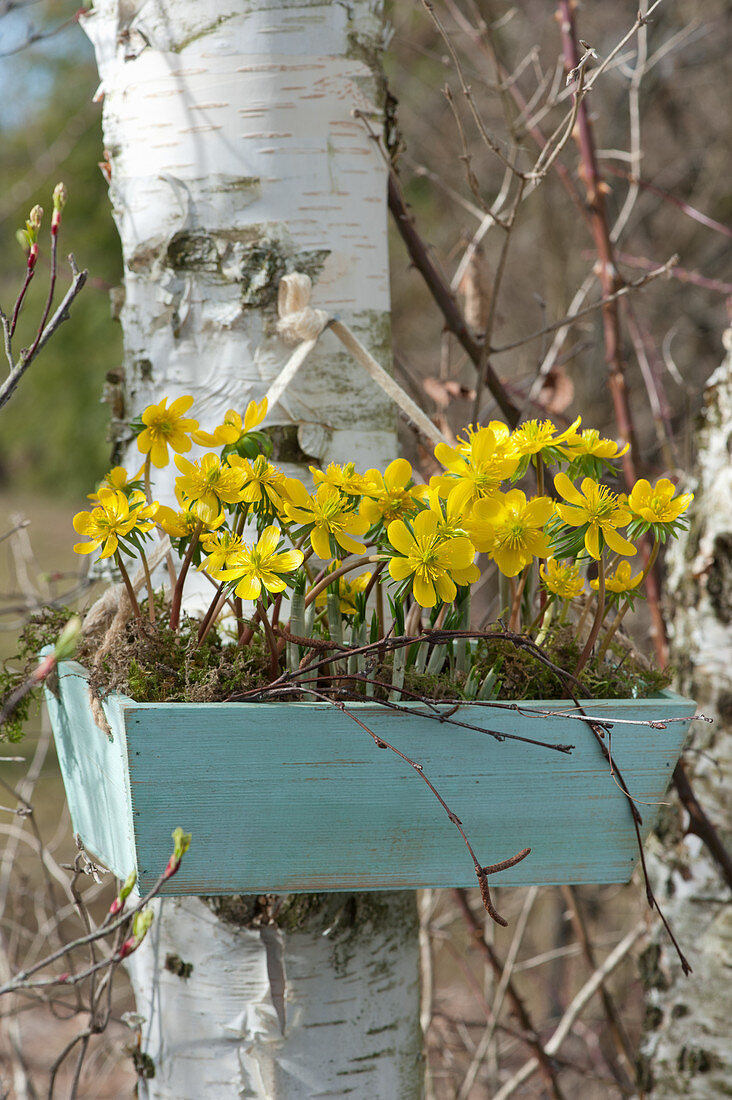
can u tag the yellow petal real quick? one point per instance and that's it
(321, 543)
(397, 474)
(566, 489)
(445, 586)
(269, 541)
(592, 541)
(424, 591)
(249, 588)
(400, 537)
(617, 543)
(400, 569)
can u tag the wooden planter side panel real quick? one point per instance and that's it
(94, 770)
(288, 797)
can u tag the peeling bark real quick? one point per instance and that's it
(686, 1051)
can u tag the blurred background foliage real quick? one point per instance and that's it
(54, 427)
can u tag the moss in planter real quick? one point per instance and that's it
(154, 664)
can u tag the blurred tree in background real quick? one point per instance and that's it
(53, 437)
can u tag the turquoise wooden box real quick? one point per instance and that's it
(285, 797)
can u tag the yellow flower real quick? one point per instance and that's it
(518, 534)
(657, 504)
(166, 427)
(590, 443)
(348, 589)
(430, 560)
(479, 465)
(264, 486)
(501, 433)
(561, 578)
(451, 525)
(599, 510)
(182, 524)
(386, 496)
(620, 580)
(261, 566)
(205, 485)
(114, 518)
(222, 548)
(117, 478)
(233, 428)
(329, 514)
(343, 478)
(535, 435)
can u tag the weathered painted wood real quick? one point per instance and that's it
(295, 796)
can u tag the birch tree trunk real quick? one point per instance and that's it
(235, 159)
(687, 1049)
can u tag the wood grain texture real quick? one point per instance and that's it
(284, 797)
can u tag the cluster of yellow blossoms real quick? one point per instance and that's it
(427, 536)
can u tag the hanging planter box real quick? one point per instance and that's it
(284, 797)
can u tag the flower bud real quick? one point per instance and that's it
(125, 891)
(35, 218)
(59, 196)
(68, 640)
(182, 842)
(59, 202)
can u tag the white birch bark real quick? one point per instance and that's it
(687, 1051)
(345, 1023)
(235, 158)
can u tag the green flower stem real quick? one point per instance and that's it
(178, 590)
(615, 624)
(547, 609)
(147, 481)
(269, 633)
(547, 621)
(599, 616)
(340, 572)
(128, 585)
(539, 463)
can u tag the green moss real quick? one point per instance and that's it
(40, 631)
(157, 665)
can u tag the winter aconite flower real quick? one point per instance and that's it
(512, 529)
(535, 437)
(115, 518)
(561, 578)
(233, 427)
(387, 496)
(656, 508)
(597, 512)
(166, 426)
(182, 524)
(343, 478)
(330, 517)
(620, 581)
(349, 589)
(262, 566)
(429, 559)
(476, 468)
(222, 548)
(208, 484)
(263, 486)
